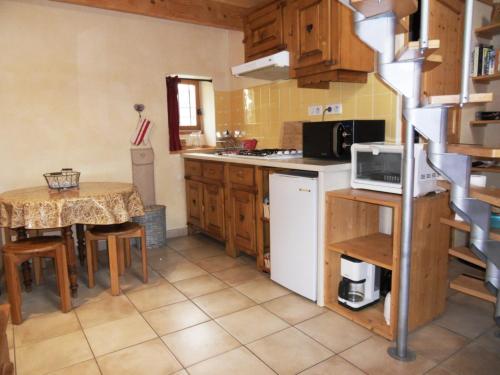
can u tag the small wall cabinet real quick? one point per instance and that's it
(353, 228)
(264, 33)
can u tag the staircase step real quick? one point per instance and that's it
(412, 52)
(478, 151)
(466, 254)
(462, 225)
(488, 194)
(455, 99)
(473, 287)
(401, 8)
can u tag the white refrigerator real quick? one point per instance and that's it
(293, 200)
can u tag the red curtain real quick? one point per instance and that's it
(173, 113)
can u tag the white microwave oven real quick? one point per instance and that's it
(379, 166)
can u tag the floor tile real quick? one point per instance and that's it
(132, 279)
(262, 290)
(238, 361)
(175, 317)
(335, 365)
(239, 275)
(183, 243)
(293, 308)
(436, 343)
(83, 368)
(490, 339)
(41, 300)
(467, 316)
(200, 285)
(200, 342)
(45, 327)
(371, 357)
(334, 331)
(202, 252)
(473, 359)
(104, 311)
(439, 370)
(181, 372)
(219, 263)
(118, 334)
(223, 302)
(180, 271)
(289, 351)
(251, 324)
(52, 354)
(156, 296)
(152, 355)
(164, 256)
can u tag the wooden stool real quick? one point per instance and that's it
(118, 237)
(15, 253)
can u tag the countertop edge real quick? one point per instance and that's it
(328, 166)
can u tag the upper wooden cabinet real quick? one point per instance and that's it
(323, 46)
(319, 35)
(264, 31)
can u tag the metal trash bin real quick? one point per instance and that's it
(155, 222)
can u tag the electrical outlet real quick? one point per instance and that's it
(336, 109)
(315, 110)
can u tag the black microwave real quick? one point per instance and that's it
(333, 139)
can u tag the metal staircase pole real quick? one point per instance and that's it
(401, 351)
(466, 51)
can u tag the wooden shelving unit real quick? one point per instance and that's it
(484, 122)
(353, 228)
(486, 78)
(488, 31)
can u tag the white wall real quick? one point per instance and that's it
(69, 77)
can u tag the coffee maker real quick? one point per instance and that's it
(360, 284)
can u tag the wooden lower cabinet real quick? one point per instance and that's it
(213, 204)
(194, 202)
(243, 220)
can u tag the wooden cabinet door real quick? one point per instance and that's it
(243, 220)
(264, 31)
(446, 24)
(194, 196)
(311, 24)
(213, 202)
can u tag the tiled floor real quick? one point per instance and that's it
(205, 313)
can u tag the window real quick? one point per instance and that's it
(190, 113)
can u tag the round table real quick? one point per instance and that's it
(96, 203)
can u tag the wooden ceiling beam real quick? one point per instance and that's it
(202, 12)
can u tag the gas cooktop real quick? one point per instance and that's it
(267, 153)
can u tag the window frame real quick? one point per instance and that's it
(183, 129)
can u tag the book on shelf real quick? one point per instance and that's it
(485, 60)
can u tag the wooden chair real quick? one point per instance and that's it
(15, 253)
(118, 238)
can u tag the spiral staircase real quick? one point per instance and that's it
(377, 23)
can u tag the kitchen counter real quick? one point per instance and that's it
(304, 164)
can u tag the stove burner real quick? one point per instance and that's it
(267, 152)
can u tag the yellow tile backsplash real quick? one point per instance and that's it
(260, 111)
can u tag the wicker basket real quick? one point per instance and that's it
(154, 220)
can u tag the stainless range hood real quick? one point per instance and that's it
(271, 68)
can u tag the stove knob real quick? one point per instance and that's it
(345, 134)
(286, 152)
(345, 145)
(279, 152)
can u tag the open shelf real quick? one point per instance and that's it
(488, 31)
(493, 169)
(466, 254)
(486, 78)
(461, 225)
(373, 248)
(483, 122)
(473, 287)
(371, 317)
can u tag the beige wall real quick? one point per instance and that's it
(69, 77)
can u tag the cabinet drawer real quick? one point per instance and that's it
(213, 171)
(241, 175)
(192, 168)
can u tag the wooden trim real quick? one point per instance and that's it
(201, 12)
